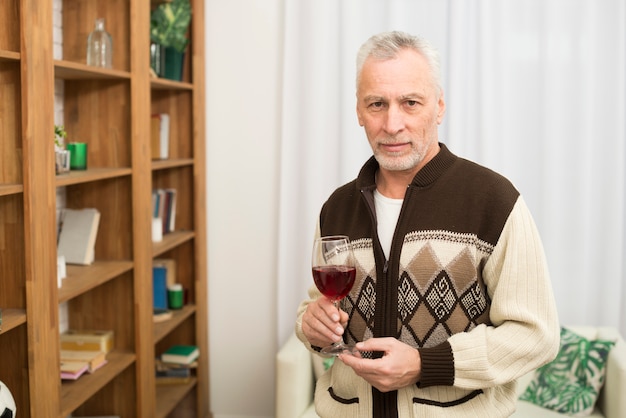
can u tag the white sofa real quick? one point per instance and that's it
(295, 380)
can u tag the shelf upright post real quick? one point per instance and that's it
(200, 208)
(37, 81)
(141, 189)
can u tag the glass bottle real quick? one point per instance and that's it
(100, 46)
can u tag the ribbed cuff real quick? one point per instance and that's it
(437, 366)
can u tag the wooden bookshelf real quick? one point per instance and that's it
(110, 110)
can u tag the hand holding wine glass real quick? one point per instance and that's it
(334, 272)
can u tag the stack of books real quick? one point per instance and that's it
(76, 363)
(176, 364)
(84, 352)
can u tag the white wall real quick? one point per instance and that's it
(243, 41)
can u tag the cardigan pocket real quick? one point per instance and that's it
(339, 393)
(345, 401)
(447, 404)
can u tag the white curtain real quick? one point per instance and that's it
(535, 89)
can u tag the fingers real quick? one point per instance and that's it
(376, 344)
(400, 365)
(371, 370)
(321, 323)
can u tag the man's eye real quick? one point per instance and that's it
(412, 103)
(376, 105)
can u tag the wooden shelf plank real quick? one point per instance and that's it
(92, 174)
(170, 241)
(9, 55)
(7, 189)
(165, 84)
(169, 396)
(68, 70)
(12, 318)
(75, 393)
(172, 163)
(81, 279)
(161, 329)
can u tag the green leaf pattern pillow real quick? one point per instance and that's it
(570, 384)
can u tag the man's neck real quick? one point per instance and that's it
(393, 184)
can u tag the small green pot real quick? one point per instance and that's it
(173, 64)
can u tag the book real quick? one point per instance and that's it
(159, 287)
(164, 208)
(169, 222)
(161, 315)
(160, 366)
(77, 239)
(174, 372)
(180, 354)
(72, 370)
(93, 359)
(87, 340)
(170, 269)
(160, 136)
(172, 380)
(61, 270)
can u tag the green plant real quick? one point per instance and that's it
(169, 23)
(59, 132)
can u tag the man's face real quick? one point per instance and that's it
(400, 108)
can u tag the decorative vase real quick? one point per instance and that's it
(173, 64)
(157, 58)
(100, 46)
(78, 155)
(61, 161)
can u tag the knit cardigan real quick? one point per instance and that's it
(466, 284)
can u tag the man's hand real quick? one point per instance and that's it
(322, 323)
(400, 365)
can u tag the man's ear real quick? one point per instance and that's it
(441, 104)
(358, 116)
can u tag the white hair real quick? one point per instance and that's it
(386, 46)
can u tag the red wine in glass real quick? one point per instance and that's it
(334, 282)
(334, 272)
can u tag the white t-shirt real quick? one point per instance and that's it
(387, 213)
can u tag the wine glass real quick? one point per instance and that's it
(334, 273)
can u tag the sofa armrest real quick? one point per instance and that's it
(612, 400)
(294, 379)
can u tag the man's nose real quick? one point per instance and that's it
(394, 121)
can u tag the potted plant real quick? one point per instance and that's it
(61, 155)
(169, 23)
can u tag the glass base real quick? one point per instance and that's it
(339, 348)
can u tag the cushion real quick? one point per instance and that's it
(321, 364)
(571, 383)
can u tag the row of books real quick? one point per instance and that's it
(164, 211)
